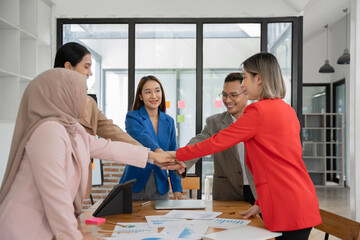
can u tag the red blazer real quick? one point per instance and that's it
(271, 133)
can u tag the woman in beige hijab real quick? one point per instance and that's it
(45, 179)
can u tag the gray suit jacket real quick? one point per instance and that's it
(228, 176)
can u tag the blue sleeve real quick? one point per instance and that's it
(172, 146)
(174, 179)
(175, 182)
(138, 131)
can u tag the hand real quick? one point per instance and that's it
(255, 209)
(162, 158)
(177, 195)
(172, 153)
(179, 166)
(158, 150)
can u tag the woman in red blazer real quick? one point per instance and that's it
(271, 133)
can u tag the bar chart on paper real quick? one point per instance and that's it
(228, 223)
(139, 228)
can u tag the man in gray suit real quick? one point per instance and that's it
(232, 178)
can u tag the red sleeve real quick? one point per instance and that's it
(242, 130)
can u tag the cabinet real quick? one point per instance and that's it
(323, 148)
(25, 47)
(25, 51)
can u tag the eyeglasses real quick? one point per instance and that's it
(232, 96)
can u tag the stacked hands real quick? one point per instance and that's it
(167, 161)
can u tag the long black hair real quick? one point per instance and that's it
(71, 52)
(138, 103)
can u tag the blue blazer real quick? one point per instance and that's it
(139, 126)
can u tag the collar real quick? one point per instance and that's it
(145, 114)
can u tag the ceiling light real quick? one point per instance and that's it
(345, 58)
(327, 68)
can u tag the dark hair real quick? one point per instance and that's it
(138, 103)
(71, 52)
(266, 65)
(235, 76)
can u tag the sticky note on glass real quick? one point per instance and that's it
(167, 104)
(181, 104)
(180, 118)
(95, 220)
(218, 103)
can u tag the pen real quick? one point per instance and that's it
(145, 203)
(121, 225)
(109, 231)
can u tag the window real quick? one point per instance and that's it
(226, 46)
(168, 51)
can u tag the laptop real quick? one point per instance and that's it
(180, 204)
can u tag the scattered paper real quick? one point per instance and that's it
(140, 228)
(162, 221)
(149, 236)
(192, 214)
(195, 222)
(188, 232)
(228, 223)
(244, 232)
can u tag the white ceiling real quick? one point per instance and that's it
(296, 5)
(318, 13)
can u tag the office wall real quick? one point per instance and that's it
(314, 55)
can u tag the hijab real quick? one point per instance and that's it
(54, 95)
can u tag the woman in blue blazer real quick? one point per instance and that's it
(149, 125)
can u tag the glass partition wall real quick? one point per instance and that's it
(225, 47)
(191, 57)
(168, 52)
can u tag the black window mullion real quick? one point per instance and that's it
(131, 71)
(59, 34)
(199, 94)
(264, 36)
(296, 68)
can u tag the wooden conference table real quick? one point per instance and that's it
(229, 209)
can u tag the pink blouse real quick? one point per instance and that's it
(39, 204)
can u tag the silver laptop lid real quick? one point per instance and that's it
(180, 204)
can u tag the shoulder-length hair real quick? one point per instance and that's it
(138, 103)
(267, 66)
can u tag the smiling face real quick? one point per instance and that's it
(252, 85)
(83, 67)
(151, 95)
(233, 98)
